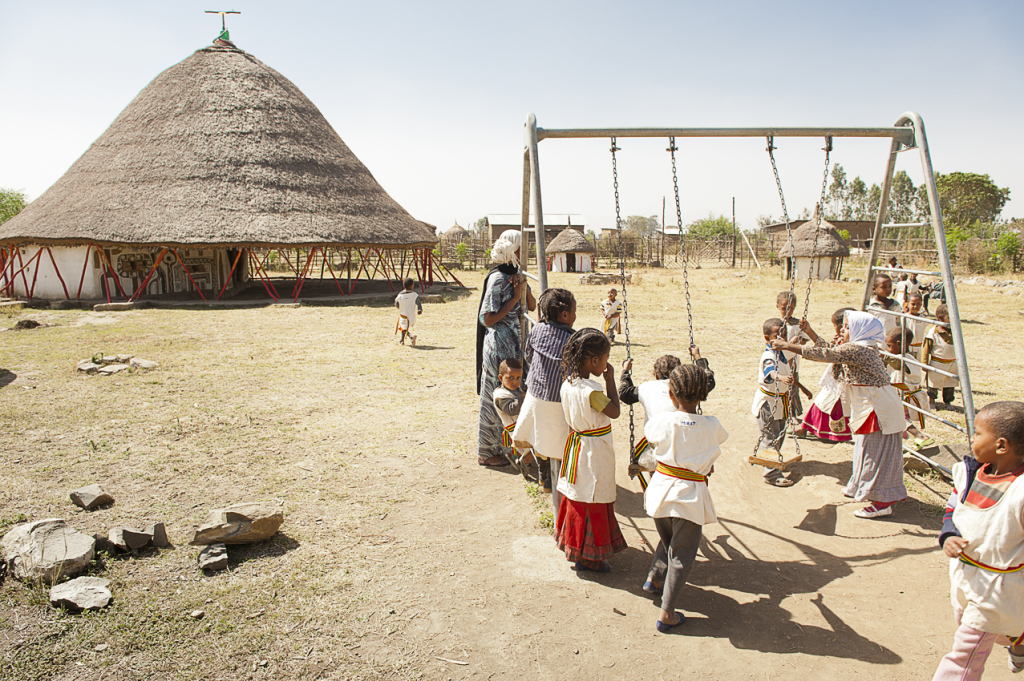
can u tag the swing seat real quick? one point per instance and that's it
(780, 462)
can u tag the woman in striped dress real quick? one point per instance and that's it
(498, 339)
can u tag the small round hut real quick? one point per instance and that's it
(455, 234)
(218, 171)
(571, 252)
(816, 252)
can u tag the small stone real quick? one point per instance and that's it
(214, 557)
(126, 539)
(104, 544)
(87, 366)
(113, 307)
(143, 364)
(159, 534)
(124, 359)
(113, 368)
(197, 614)
(90, 497)
(46, 549)
(101, 647)
(240, 524)
(83, 593)
(912, 463)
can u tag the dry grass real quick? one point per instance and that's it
(318, 410)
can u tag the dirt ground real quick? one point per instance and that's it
(400, 558)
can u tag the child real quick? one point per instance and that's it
(409, 305)
(829, 416)
(938, 352)
(541, 426)
(586, 527)
(685, 445)
(907, 378)
(882, 301)
(983, 535)
(919, 326)
(508, 400)
(612, 309)
(912, 287)
(654, 394)
(771, 401)
(901, 289)
(876, 411)
(786, 303)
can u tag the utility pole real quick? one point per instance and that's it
(734, 232)
(661, 256)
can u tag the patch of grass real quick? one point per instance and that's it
(542, 503)
(12, 520)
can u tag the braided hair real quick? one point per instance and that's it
(664, 365)
(582, 345)
(689, 383)
(553, 302)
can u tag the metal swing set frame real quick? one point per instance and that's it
(908, 133)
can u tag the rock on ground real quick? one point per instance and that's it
(88, 366)
(601, 278)
(159, 535)
(83, 593)
(113, 368)
(214, 557)
(144, 364)
(125, 538)
(240, 524)
(46, 550)
(90, 497)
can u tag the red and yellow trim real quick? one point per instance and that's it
(506, 434)
(571, 454)
(640, 447)
(680, 473)
(964, 558)
(785, 402)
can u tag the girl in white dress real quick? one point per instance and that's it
(686, 445)
(586, 527)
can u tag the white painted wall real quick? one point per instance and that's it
(584, 262)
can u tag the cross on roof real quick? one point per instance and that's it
(222, 15)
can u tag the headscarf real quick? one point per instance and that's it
(504, 250)
(865, 329)
(504, 253)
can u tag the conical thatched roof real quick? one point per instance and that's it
(570, 241)
(456, 233)
(829, 243)
(219, 149)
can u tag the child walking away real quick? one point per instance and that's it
(685, 446)
(786, 303)
(541, 426)
(409, 305)
(881, 301)
(612, 310)
(901, 289)
(829, 416)
(876, 412)
(771, 401)
(907, 378)
(983, 535)
(938, 352)
(508, 400)
(586, 527)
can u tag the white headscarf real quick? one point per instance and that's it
(504, 250)
(865, 329)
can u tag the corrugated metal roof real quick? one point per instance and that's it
(550, 219)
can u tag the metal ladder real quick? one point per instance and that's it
(920, 142)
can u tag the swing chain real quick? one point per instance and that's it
(817, 222)
(679, 222)
(622, 274)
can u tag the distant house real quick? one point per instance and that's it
(554, 223)
(861, 232)
(571, 252)
(817, 254)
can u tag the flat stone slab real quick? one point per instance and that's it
(213, 557)
(88, 367)
(90, 497)
(46, 550)
(143, 364)
(111, 369)
(83, 593)
(127, 539)
(240, 524)
(113, 307)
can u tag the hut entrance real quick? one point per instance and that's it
(570, 262)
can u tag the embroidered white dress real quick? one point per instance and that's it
(941, 356)
(589, 475)
(689, 441)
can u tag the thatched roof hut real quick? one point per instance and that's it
(802, 244)
(455, 233)
(218, 150)
(571, 241)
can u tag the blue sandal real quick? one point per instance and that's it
(651, 589)
(665, 628)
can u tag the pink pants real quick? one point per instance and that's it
(971, 648)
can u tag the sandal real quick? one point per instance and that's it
(651, 589)
(665, 628)
(493, 462)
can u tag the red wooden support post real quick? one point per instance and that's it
(85, 266)
(263, 267)
(231, 273)
(152, 271)
(188, 274)
(38, 257)
(113, 274)
(264, 279)
(56, 269)
(362, 264)
(302, 277)
(331, 270)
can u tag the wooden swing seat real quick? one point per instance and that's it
(780, 462)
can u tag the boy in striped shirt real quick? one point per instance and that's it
(983, 534)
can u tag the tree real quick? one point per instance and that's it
(641, 226)
(710, 227)
(967, 198)
(902, 198)
(11, 203)
(838, 198)
(481, 227)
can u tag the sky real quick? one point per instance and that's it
(432, 97)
